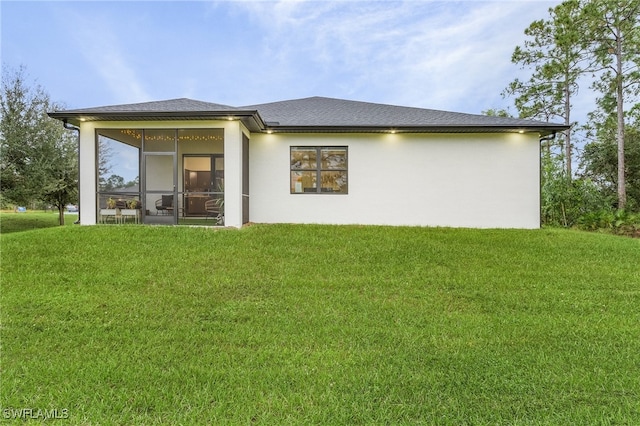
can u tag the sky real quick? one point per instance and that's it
(453, 56)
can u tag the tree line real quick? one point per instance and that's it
(592, 44)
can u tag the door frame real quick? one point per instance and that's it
(213, 191)
(169, 219)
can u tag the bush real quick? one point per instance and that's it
(565, 201)
(621, 222)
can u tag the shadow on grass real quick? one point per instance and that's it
(11, 222)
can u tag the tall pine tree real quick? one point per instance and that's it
(556, 52)
(614, 32)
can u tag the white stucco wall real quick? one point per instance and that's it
(459, 180)
(88, 175)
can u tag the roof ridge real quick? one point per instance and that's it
(167, 104)
(353, 101)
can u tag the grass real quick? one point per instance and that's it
(17, 222)
(285, 324)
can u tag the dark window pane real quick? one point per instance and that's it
(303, 182)
(303, 158)
(334, 158)
(334, 181)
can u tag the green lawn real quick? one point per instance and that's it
(285, 324)
(17, 222)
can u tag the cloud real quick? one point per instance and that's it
(104, 52)
(432, 54)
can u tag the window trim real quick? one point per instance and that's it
(318, 169)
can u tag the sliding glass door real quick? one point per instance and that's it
(160, 188)
(160, 183)
(203, 177)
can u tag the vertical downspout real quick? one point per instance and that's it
(75, 129)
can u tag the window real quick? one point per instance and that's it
(118, 168)
(318, 170)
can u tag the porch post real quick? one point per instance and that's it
(87, 173)
(233, 174)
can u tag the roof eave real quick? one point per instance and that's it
(250, 118)
(543, 130)
(253, 121)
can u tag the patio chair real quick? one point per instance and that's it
(164, 204)
(212, 209)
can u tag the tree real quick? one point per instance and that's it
(492, 112)
(105, 153)
(600, 158)
(556, 51)
(614, 29)
(113, 182)
(38, 157)
(564, 201)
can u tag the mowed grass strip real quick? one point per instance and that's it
(288, 324)
(32, 220)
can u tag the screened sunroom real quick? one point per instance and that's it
(160, 176)
(173, 162)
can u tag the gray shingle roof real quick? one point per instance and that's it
(319, 111)
(312, 115)
(171, 105)
(172, 109)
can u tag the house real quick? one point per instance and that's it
(311, 160)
